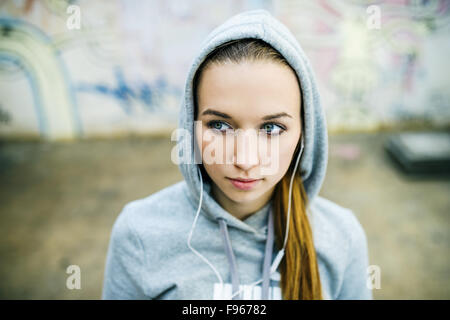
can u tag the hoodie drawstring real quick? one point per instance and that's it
(230, 256)
(232, 259)
(268, 258)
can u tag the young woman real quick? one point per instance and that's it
(243, 227)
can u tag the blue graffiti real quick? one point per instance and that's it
(148, 94)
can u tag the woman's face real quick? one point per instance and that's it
(261, 97)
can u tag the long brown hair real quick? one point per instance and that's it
(300, 279)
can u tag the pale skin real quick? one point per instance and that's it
(242, 96)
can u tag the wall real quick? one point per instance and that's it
(123, 71)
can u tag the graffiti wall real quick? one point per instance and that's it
(80, 69)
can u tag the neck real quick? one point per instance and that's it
(239, 210)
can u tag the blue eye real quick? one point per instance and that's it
(218, 125)
(272, 128)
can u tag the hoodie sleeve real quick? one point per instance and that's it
(354, 286)
(124, 262)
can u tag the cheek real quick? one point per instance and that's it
(213, 152)
(285, 153)
(216, 149)
(286, 157)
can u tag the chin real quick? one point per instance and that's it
(244, 196)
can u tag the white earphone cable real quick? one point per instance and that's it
(192, 230)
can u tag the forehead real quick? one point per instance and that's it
(250, 89)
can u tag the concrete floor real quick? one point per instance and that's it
(59, 201)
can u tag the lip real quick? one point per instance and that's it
(244, 184)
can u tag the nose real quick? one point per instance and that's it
(246, 150)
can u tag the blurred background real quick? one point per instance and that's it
(90, 93)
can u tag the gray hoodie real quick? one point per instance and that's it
(179, 243)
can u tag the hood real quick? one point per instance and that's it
(259, 24)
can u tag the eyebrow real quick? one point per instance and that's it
(226, 116)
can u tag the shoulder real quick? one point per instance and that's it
(134, 240)
(342, 250)
(341, 247)
(335, 222)
(163, 199)
(153, 211)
